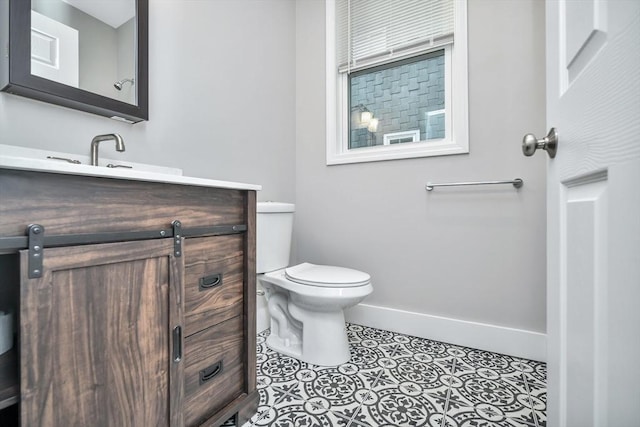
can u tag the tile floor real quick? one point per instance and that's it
(399, 380)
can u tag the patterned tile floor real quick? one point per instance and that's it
(399, 380)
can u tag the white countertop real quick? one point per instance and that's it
(19, 158)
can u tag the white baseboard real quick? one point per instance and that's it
(498, 339)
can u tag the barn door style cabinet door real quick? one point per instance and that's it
(96, 329)
(136, 302)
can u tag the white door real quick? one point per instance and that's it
(593, 202)
(54, 50)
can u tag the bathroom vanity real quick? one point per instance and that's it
(134, 297)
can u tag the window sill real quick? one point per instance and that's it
(397, 152)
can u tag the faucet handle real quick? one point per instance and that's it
(75, 162)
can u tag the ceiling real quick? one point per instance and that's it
(111, 12)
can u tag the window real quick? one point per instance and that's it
(396, 79)
(397, 98)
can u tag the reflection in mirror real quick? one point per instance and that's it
(78, 61)
(88, 44)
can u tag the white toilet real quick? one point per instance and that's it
(306, 301)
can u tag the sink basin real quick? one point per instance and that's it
(20, 158)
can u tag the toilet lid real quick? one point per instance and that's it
(326, 276)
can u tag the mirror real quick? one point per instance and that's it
(89, 55)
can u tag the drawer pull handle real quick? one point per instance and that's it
(211, 281)
(210, 372)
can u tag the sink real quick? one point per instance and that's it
(21, 158)
(78, 159)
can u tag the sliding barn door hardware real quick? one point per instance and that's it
(35, 233)
(35, 240)
(177, 238)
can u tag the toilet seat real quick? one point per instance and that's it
(326, 276)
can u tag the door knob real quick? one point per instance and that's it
(549, 143)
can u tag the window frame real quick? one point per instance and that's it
(456, 140)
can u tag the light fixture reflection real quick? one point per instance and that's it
(373, 124)
(366, 118)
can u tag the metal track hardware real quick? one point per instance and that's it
(35, 240)
(215, 230)
(35, 233)
(177, 238)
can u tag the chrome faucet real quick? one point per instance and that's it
(95, 141)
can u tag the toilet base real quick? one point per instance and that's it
(324, 340)
(285, 347)
(307, 322)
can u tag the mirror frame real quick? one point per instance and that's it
(21, 82)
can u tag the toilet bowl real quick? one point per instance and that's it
(305, 302)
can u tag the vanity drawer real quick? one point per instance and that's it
(213, 371)
(214, 281)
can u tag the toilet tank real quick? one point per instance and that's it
(274, 226)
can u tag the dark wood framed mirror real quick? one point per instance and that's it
(121, 95)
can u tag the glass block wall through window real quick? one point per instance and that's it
(406, 98)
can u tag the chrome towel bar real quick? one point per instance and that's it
(517, 183)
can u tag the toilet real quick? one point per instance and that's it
(305, 302)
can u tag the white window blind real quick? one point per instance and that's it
(374, 32)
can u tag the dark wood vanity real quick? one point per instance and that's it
(134, 300)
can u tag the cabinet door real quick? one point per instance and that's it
(96, 340)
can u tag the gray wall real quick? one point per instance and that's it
(221, 98)
(475, 254)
